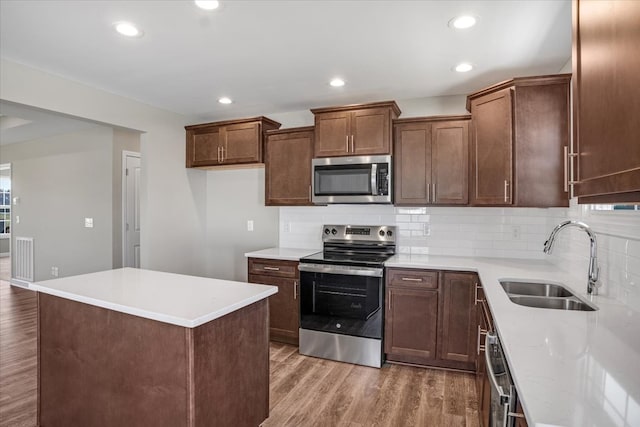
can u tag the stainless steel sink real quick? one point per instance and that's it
(555, 303)
(535, 289)
(543, 295)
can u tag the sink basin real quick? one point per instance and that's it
(543, 295)
(554, 303)
(535, 289)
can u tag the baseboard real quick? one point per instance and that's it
(4, 254)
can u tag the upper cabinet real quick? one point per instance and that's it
(354, 130)
(287, 160)
(519, 134)
(227, 143)
(606, 99)
(431, 156)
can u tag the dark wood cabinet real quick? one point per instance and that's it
(284, 309)
(227, 143)
(411, 316)
(430, 318)
(606, 100)
(458, 332)
(287, 160)
(354, 130)
(519, 133)
(431, 157)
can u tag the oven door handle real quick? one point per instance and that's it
(341, 269)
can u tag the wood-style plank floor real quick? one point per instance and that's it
(304, 391)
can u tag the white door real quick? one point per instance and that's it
(131, 209)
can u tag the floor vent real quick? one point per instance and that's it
(23, 255)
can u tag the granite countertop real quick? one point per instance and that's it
(570, 368)
(288, 254)
(177, 299)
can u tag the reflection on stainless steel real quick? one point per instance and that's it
(345, 348)
(592, 284)
(535, 289)
(571, 303)
(341, 269)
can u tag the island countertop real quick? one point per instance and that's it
(177, 299)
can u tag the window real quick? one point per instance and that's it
(615, 207)
(5, 201)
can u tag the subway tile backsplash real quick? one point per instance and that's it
(491, 232)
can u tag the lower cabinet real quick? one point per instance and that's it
(284, 308)
(430, 318)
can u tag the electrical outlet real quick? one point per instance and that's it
(515, 232)
(287, 226)
(88, 222)
(54, 271)
(250, 225)
(17, 219)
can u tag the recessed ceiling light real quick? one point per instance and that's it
(463, 22)
(337, 82)
(207, 4)
(127, 29)
(463, 67)
(225, 100)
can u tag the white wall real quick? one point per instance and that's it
(235, 196)
(173, 204)
(60, 181)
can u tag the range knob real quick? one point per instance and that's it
(334, 231)
(327, 231)
(389, 233)
(381, 233)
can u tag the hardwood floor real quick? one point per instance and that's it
(18, 364)
(304, 391)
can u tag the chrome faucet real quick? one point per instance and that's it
(594, 270)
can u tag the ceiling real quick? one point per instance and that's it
(278, 56)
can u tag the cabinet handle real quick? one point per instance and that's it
(347, 142)
(222, 151)
(309, 193)
(506, 190)
(411, 279)
(271, 268)
(566, 168)
(219, 161)
(480, 333)
(428, 193)
(353, 145)
(295, 289)
(434, 192)
(476, 297)
(390, 294)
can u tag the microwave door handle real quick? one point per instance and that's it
(374, 179)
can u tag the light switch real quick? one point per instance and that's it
(88, 222)
(250, 225)
(17, 219)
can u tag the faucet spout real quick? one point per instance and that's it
(594, 270)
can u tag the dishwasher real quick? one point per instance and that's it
(503, 392)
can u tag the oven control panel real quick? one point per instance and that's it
(376, 233)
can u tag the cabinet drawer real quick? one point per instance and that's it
(412, 277)
(271, 267)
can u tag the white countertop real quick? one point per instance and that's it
(289, 254)
(570, 368)
(181, 300)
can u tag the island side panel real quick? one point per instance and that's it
(99, 367)
(231, 368)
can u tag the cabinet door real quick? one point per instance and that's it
(284, 308)
(411, 325)
(242, 143)
(607, 99)
(459, 322)
(491, 154)
(203, 149)
(371, 131)
(332, 136)
(412, 164)
(450, 146)
(288, 169)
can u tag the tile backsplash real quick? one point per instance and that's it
(491, 232)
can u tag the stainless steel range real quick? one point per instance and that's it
(342, 292)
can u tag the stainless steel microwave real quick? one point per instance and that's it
(358, 179)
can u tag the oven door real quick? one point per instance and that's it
(341, 299)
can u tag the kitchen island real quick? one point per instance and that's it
(140, 347)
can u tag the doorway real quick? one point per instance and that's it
(130, 209)
(5, 222)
